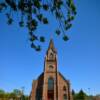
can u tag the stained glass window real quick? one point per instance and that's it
(50, 83)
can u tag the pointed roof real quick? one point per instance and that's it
(51, 45)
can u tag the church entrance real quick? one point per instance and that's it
(50, 95)
(50, 89)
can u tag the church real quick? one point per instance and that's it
(51, 84)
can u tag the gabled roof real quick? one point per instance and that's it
(41, 76)
(67, 81)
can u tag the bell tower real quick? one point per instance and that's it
(50, 73)
(51, 59)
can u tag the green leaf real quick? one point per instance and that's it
(2, 6)
(21, 24)
(34, 11)
(65, 38)
(45, 7)
(33, 45)
(38, 48)
(42, 39)
(12, 4)
(21, 5)
(45, 20)
(70, 18)
(33, 37)
(37, 4)
(58, 4)
(40, 16)
(58, 14)
(73, 7)
(68, 26)
(58, 32)
(33, 24)
(66, 22)
(10, 20)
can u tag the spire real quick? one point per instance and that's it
(51, 52)
(51, 45)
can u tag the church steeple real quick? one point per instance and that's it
(50, 73)
(51, 52)
(51, 58)
(51, 45)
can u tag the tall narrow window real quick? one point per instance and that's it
(64, 88)
(51, 56)
(50, 89)
(65, 97)
(50, 84)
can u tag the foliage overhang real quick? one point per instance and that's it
(31, 16)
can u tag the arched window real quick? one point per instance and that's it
(64, 97)
(64, 88)
(50, 67)
(51, 55)
(50, 83)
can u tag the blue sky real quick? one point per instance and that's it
(78, 59)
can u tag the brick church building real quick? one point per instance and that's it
(51, 84)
